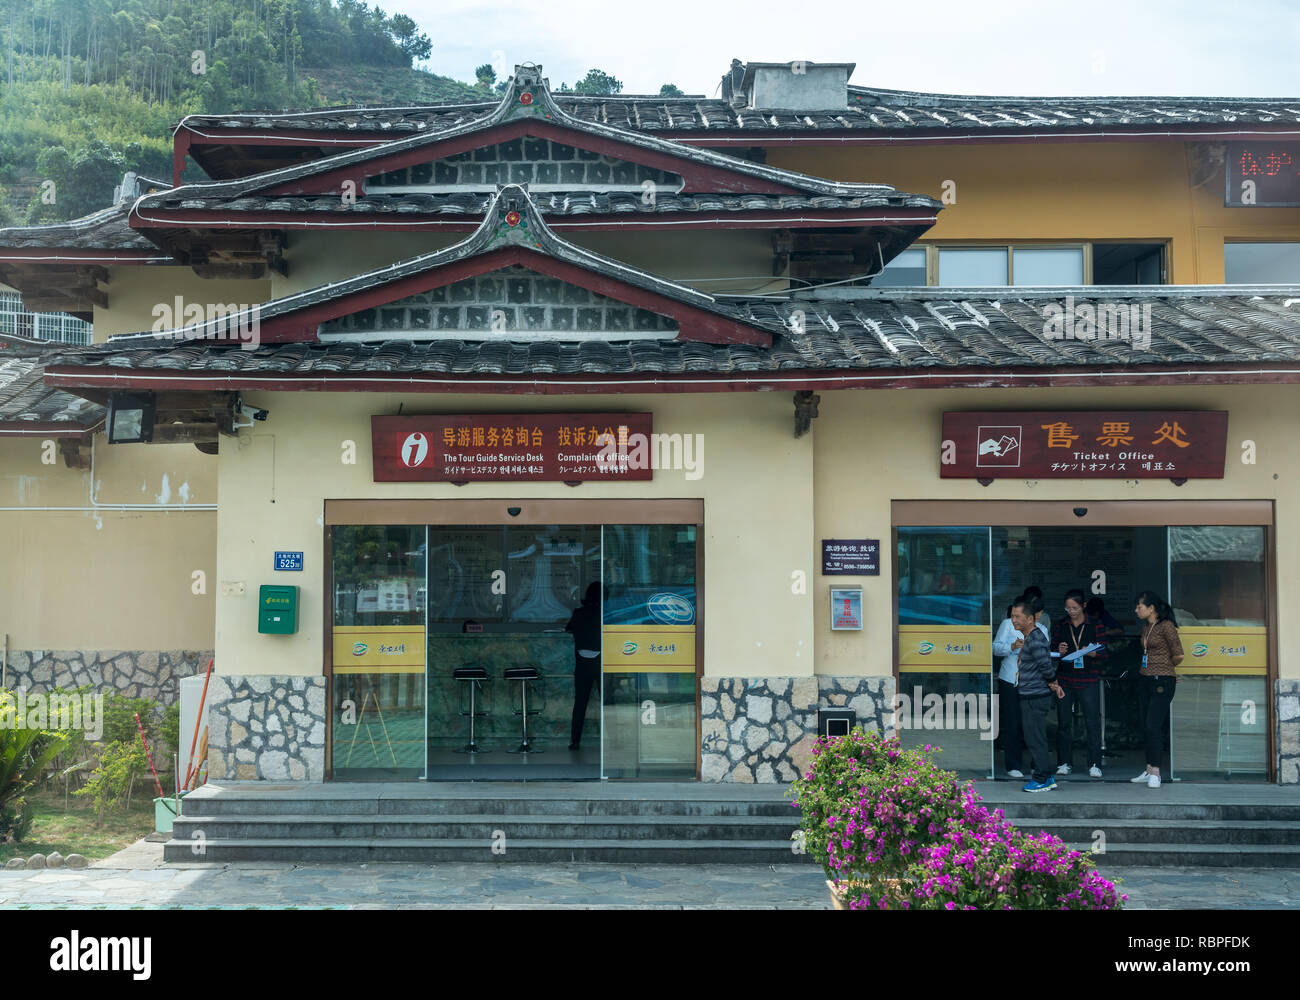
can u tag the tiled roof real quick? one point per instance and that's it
(527, 97)
(569, 203)
(106, 229)
(25, 398)
(900, 330)
(869, 109)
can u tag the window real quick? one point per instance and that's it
(1128, 263)
(1261, 263)
(1047, 266)
(906, 270)
(968, 266)
(1043, 265)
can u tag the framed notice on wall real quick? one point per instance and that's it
(846, 608)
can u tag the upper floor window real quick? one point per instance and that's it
(993, 266)
(1261, 263)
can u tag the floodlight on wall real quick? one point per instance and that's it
(130, 417)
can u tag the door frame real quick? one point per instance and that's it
(506, 511)
(1106, 514)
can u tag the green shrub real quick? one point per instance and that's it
(24, 755)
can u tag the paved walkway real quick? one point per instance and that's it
(137, 878)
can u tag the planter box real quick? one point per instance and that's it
(164, 811)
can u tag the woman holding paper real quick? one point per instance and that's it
(1075, 640)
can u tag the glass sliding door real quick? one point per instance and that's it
(945, 642)
(378, 644)
(649, 657)
(500, 598)
(1217, 586)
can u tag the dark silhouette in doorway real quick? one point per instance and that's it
(585, 626)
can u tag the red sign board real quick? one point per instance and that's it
(501, 447)
(1105, 444)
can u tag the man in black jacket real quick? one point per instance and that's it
(1036, 685)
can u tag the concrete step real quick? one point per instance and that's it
(1196, 855)
(1049, 806)
(480, 828)
(260, 805)
(1181, 832)
(334, 850)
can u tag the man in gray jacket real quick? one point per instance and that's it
(1036, 685)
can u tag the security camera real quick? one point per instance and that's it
(513, 511)
(1080, 511)
(260, 414)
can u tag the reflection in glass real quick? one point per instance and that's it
(1217, 575)
(942, 576)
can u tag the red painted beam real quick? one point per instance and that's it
(411, 222)
(72, 376)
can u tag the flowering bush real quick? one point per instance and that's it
(899, 832)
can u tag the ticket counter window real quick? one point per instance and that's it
(378, 703)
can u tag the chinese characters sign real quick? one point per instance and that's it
(554, 447)
(1137, 444)
(850, 557)
(846, 608)
(1263, 173)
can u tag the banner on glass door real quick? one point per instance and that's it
(945, 648)
(1218, 649)
(1073, 444)
(649, 649)
(505, 447)
(379, 649)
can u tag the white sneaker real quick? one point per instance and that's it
(1064, 769)
(1153, 781)
(1015, 774)
(1094, 771)
(1144, 776)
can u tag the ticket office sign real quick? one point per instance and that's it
(511, 447)
(1102, 444)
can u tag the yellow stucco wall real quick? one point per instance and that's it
(1062, 191)
(875, 447)
(134, 291)
(87, 577)
(757, 489)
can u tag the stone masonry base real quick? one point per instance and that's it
(763, 729)
(1288, 731)
(152, 674)
(266, 727)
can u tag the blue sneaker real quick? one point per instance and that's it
(1040, 786)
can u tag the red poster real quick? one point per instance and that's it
(503, 447)
(1105, 444)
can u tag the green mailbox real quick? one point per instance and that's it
(277, 610)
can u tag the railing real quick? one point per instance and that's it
(19, 322)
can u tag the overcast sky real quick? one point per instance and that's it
(1142, 47)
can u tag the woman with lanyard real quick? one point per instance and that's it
(1161, 654)
(1081, 681)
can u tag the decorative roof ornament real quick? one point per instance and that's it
(528, 95)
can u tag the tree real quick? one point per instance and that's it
(598, 82)
(486, 76)
(671, 90)
(414, 43)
